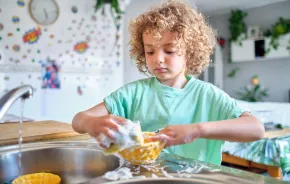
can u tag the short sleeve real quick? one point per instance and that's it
(120, 101)
(225, 106)
(114, 102)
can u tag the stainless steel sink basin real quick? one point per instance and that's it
(172, 181)
(83, 162)
(217, 178)
(161, 181)
(73, 162)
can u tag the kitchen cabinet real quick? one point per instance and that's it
(256, 50)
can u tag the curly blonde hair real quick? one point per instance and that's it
(191, 27)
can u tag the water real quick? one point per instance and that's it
(20, 138)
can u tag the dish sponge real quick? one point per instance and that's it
(146, 153)
(128, 135)
(37, 178)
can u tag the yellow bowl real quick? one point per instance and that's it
(37, 178)
(144, 154)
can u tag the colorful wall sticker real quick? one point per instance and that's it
(6, 78)
(2, 56)
(16, 48)
(88, 38)
(50, 75)
(81, 47)
(10, 34)
(20, 3)
(1, 27)
(74, 9)
(32, 35)
(80, 91)
(15, 19)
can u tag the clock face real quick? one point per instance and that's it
(44, 12)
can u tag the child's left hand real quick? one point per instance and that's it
(178, 134)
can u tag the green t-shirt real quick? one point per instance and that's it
(156, 106)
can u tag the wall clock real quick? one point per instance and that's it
(44, 12)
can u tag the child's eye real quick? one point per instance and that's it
(150, 53)
(169, 52)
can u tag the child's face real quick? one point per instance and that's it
(164, 60)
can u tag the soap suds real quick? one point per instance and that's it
(128, 135)
(123, 173)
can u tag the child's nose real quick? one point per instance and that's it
(159, 58)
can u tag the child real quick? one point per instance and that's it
(170, 42)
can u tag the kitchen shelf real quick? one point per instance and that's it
(255, 50)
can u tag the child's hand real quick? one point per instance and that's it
(104, 124)
(178, 134)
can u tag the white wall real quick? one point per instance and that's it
(96, 71)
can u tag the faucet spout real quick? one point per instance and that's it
(24, 92)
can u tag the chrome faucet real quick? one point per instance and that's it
(24, 92)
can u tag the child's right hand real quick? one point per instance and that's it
(104, 124)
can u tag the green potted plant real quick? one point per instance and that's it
(233, 72)
(237, 25)
(253, 92)
(116, 12)
(281, 27)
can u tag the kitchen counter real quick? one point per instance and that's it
(179, 167)
(37, 131)
(170, 166)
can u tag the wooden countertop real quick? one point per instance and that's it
(277, 133)
(38, 131)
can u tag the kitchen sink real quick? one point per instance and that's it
(83, 162)
(195, 180)
(161, 181)
(74, 163)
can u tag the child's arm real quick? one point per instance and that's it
(96, 120)
(246, 128)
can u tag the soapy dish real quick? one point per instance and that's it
(146, 153)
(128, 135)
